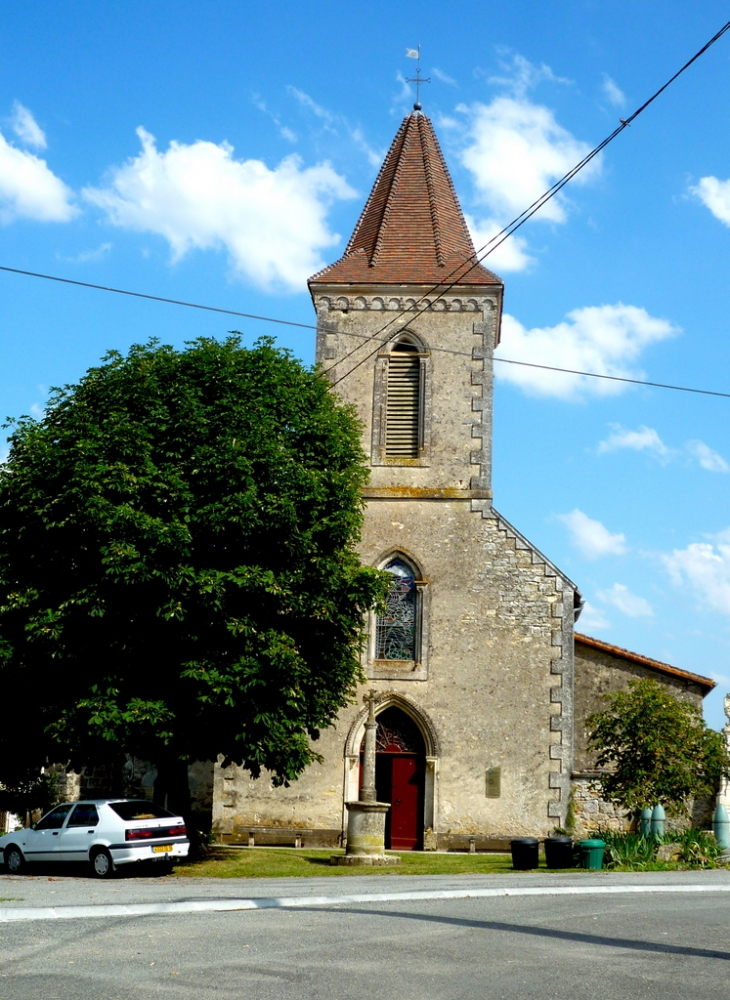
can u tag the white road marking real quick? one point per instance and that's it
(290, 902)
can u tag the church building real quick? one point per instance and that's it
(475, 663)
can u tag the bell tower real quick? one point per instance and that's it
(407, 323)
(477, 630)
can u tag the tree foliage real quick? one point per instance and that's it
(178, 575)
(655, 749)
(26, 786)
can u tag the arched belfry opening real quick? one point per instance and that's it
(404, 399)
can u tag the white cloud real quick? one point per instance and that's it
(406, 93)
(601, 339)
(613, 92)
(707, 457)
(311, 105)
(508, 256)
(29, 189)
(715, 195)
(704, 567)
(627, 603)
(440, 75)
(26, 127)
(521, 75)
(643, 439)
(590, 537)
(273, 223)
(87, 256)
(592, 618)
(647, 439)
(284, 130)
(333, 122)
(515, 151)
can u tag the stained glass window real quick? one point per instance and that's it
(395, 634)
(398, 732)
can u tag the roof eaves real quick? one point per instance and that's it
(644, 661)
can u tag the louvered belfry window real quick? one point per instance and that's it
(403, 410)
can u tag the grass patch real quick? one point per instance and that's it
(282, 862)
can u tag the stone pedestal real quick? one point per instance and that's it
(366, 818)
(366, 835)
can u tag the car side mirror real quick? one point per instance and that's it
(33, 826)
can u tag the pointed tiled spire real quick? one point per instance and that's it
(412, 230)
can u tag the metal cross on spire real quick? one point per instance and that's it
(417, 79)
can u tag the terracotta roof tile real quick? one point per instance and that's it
(644, 661)
(412, 230)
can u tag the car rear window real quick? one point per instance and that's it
(139, 809)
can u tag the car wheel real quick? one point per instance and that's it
(102, 864)
(14, 860)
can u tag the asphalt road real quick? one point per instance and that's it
(600, 947)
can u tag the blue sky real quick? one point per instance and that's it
(221, 152)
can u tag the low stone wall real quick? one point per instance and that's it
(591, 813)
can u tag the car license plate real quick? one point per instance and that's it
(161, 848)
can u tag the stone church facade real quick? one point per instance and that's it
(474, 663)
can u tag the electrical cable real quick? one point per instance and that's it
(360, 336)
(157, 298)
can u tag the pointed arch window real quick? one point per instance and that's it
(398, 644)
(395, 637)
(401, 412)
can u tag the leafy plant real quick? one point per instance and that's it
(26, 788)
(633, 851)
(655, 748)
(699, 849)
(629, 850)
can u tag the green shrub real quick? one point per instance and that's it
(633, 851)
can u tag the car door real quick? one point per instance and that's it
(41, 842)
(75, 838)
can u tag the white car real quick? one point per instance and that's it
(105, 832)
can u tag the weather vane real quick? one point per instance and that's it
(417, 79)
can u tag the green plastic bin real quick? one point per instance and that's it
(591, 854)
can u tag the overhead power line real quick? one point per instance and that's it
(359, 336)
(157, 298)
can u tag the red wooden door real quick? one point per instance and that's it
(400, 778)
(405, 803)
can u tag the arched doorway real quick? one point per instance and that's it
(400, 778)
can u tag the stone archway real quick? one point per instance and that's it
(408, 764)
(400, 778)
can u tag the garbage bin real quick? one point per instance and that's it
(591, 854)
(524, 853)
(559, 852)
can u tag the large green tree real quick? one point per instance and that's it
(178, 575)
(655, 748)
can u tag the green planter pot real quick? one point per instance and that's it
(591, 854)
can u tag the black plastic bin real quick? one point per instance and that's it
(559, 852)
(525, 853)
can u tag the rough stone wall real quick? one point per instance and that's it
(592, 814)
(496, 676)
(598, 674)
